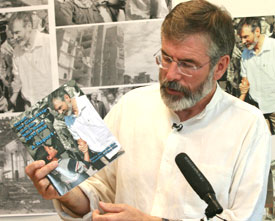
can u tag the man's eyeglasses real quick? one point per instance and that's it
(185, 68)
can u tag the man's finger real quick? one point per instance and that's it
(96, 212)
(45, 170)
(31, 168)
(36, 171)
(46, 189)
(110, 207)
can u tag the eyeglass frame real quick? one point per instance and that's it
(158, 55)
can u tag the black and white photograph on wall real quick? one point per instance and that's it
(103, 99)
(25, 62)
(75, 12)
(21, 3)
(254, 53)
(113, 54)
(17, 193)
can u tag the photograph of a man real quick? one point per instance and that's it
(85, 124)
(69, 172)
(258, 68)
(98, 104)
(31, 60)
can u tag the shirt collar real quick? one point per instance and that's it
(266, 46)
(80, 105)
(214, 100)
(38, 41)
(69, 120)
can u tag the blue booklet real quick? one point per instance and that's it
(64, 126)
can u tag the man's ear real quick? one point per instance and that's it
(221, 67)
(28, 25)
(257, 31)
(67, 97)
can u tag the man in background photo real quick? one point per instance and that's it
(84, 123)
(258, 68)
(31, 60)
(110, 101)
(98, 105)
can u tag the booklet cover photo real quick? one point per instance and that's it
(64, 126)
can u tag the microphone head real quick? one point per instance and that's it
(194, 176)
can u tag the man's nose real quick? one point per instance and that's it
(173, 72)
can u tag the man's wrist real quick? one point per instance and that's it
(163, 219)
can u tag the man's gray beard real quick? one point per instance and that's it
(70, 109)
(252, 46)
(189, 99)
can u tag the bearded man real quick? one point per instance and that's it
(31, 60)
(84, 123)
(258, 68)
(226, 138)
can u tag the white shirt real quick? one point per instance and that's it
(33, 67)
(260, 72)
(89, 126)
(229, 142)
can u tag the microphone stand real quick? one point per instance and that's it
(213, 207)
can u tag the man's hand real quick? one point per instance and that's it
(82, 145)
(6, 48)
(244, 86)
(37, 172)
(13, 98)
(121, 212)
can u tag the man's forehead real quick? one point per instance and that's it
(18, 22)
(246, 27)
(17, 25)
(195, 44)
(57, 101)
(200, 38)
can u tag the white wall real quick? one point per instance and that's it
(242, 8)
(31, 218)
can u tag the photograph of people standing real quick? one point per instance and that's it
(75, 12)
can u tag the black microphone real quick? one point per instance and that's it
(177, 126)
(199, 183)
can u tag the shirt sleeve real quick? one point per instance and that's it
(16, 83)
(243, 67)
(99, 187)
(249, 182)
